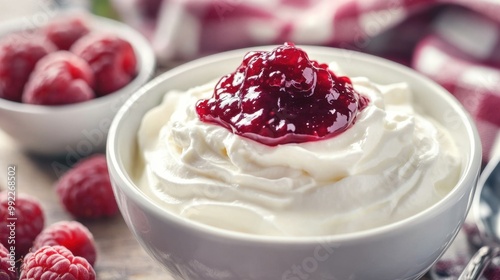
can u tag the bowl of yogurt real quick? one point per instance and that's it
(285, 162)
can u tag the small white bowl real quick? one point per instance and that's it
(78, 129)
(190, 250)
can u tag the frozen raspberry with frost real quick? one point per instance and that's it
(8, 270)
(19, 54)
(25, 217)
(70, 234)
(85, 190)
(56, 262)
(112, 59)
(65, 31)
(60, 78)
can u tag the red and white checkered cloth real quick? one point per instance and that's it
(455, 42)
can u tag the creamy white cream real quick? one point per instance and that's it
(391, 164)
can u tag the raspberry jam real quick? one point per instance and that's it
(281, 97)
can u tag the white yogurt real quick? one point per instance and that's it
(391, 164)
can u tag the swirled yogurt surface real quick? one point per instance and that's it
(391, 164)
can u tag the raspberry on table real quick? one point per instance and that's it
(85, 190)
(8, 271)
(65, 31)
(56, 262)
(112, 59)
(70, 234)
(59, 78)
(29, 221)
(19, 54)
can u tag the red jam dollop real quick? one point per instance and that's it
(281, 97)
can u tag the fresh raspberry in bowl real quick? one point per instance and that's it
(85, 190)
(19, 54)
(60, 78)
(55, 262)
(66, 30)
(70, 234)
(111, 58)
(79, 129)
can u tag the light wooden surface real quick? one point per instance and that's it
(119, 254)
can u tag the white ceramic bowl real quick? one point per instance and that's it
(189, 250)
(77, 129)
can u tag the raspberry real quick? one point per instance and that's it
(24, 221)
(59, 78)
(18, 55)
(72, 235)
(56, 262)
(7, 265)
(64, 31)
(85, 190)
(111, 58)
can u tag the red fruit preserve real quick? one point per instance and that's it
(281, 97)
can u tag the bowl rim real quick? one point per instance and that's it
(127, 186)
(146, 63)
